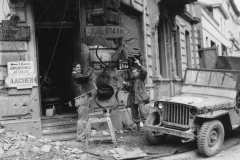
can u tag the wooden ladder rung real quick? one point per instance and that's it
(102, 137)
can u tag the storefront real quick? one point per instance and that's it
(51, 42)
(51, 38)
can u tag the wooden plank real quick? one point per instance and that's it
(88, 133)
(101, 138)
(113, 136)
(97, 120)
(130, 153)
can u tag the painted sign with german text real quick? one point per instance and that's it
(106, 31)
(21, 81)
(20, 67)
(21, 75)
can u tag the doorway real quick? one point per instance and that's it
(56, 55)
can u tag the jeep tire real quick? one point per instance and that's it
(210, 138)
(153, 119)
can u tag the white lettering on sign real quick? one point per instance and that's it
(21, 67)
(21, 81)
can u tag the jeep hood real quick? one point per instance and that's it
(202, 101)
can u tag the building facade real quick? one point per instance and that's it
(43, 38)
(177, 46)
(219, 26)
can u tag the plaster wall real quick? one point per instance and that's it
(14, 101)
(210, 32)
(218, 16)
(233, 23)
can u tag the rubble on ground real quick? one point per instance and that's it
(16, 145)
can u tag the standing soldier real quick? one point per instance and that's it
(81, 87)
(138, 96)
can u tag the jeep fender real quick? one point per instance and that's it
(213, 114)
(222, 115)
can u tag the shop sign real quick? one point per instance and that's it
(21, 67)
(9, 32)
(21, 75)
(123, 64)
(21, 81)
(106, 31)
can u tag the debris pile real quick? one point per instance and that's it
(15, 145)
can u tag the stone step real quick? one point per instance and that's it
(57, 120)
(60, 131)
(60, 116)
(60, 127)
(51, 128)
(59, 123)
(62, 137)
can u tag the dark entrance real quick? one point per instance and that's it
(56, 54)
(57, 23)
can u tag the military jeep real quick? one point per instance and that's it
(205, 110)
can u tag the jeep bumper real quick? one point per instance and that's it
(184, 134)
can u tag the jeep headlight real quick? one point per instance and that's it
(160, 105)
(193, 111)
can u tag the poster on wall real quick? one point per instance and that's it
(21, 75)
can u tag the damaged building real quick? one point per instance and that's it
(48, 36)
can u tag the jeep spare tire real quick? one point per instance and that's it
(210, 138)
(151, 136)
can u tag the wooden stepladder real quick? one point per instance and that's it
(105, 119)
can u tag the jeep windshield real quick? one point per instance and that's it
(212, 78)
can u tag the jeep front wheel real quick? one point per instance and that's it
(210, 138)
(151, 136)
